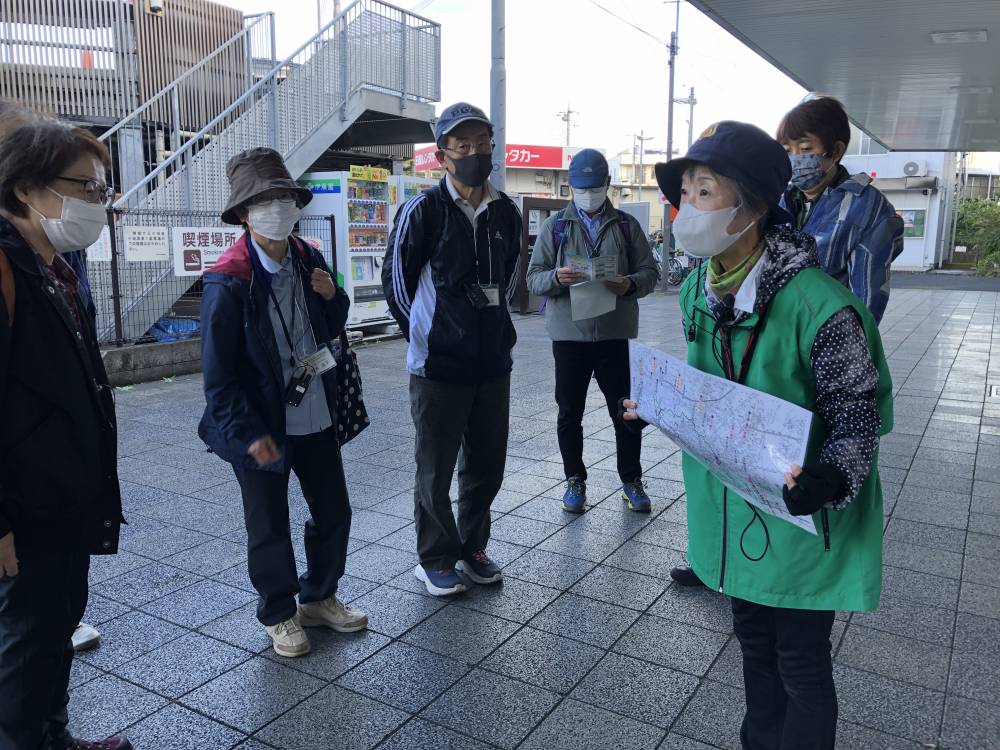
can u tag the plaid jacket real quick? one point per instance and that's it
(857, 232)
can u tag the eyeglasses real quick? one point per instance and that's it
(286, 196)
(93, 191)
(464, 149)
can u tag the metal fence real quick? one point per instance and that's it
(125, 268)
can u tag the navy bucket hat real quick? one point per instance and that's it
(741, 152)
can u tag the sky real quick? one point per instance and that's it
(571, 53)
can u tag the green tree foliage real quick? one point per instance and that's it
(978, 228)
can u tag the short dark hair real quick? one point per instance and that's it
(36, 151)
(824, 117)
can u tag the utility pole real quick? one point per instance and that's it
(567, 116)
(642, 174)
(690, 101)
(498, 95)
(664, 263)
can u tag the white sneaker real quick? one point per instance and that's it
(85, 637)
(333, 614)
(288, 638)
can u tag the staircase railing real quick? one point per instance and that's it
(157, 128)
(370, 44)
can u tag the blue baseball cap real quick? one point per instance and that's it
(588, 169)
(741, 152)
(454, 115)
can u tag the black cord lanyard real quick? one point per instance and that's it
(281, 318)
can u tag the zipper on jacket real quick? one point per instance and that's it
(725, 529)
(826, 530)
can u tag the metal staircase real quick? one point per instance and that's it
(367, 78)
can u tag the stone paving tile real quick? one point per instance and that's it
(597, 623)
(198, 604)
(333, 718)
(100, 610)
(980, 600)
(107, 705)
(127, 637)
(714, 716)
(675, 741)
(492, 708)
(576, 541)
(983, 523)
(620, 587)
(182, 665)
(333, 653)
(982, 545)
(518, 530)
(511, 599)
(177, 728)
(617, 679)
(575, 726)
(888, 705)
(548, 569)
(856, 737)
(922, 559)
(922, 534)
(404, 676)
(253, 694)
(921, 587)
(460, 633)
(672, 644)
(146, 584)
(970, 724)
(392, 611)
(417, 733)
(240, 628)
(977, 635)
(544, 659)
(975, 676)
(894, 656)
(379, 564)
(695, 606)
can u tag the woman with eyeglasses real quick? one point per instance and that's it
(60, 500)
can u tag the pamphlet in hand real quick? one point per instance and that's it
(600, 268)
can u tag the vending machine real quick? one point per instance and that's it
(359, 200)
(402, 188)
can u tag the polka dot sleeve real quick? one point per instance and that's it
(846, 388)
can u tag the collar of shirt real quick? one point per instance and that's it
(270, 264)
(746, 296)
(489, 195)
(591, 223)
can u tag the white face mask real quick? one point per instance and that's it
(590, 199)
(78, 227)
(274, 219)
(703, 233)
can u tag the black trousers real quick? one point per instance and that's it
(317, 463)
(788, 676)
(447, 416)
(576, 363)
(39, 609)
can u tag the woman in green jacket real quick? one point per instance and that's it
(761, 312)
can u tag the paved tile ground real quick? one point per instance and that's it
(587, 645)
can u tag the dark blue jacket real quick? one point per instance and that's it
(244, 385)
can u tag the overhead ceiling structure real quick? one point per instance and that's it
(917, 75)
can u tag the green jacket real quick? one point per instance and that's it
(635, 260)
(841, 567)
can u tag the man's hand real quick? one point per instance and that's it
(628, 410)
(264, 450)
(8, 556)
(567, 276)
(322, 284)
(621, 288)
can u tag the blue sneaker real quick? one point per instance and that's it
(635, 497)
(439, 582)
(575, 498)
(480, 568)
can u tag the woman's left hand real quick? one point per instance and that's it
(322, 284)
(809, 489)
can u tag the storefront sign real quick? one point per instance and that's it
(519, 156)
(369, 174)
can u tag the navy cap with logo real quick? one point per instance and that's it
(741, 152)
(588, 169)
(454, 115)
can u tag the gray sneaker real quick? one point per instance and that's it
(288, 638)
(333, 614)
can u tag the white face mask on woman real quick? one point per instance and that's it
(77, 228)
(703, 234)
(274, 219)
(590, 199)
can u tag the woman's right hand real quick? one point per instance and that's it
(264, 451)
(8, 556)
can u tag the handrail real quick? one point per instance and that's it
(151, 101)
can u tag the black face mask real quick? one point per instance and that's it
(473, 170)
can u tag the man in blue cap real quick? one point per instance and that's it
(449, 273)
(590, 227)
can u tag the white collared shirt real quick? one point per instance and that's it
(472, 212)
(746, 295)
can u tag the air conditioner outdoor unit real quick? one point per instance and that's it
(915, 169)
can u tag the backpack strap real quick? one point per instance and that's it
(7, 287)
(559, 233)
(626, 226)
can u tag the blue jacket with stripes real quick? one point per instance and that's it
(434, 257)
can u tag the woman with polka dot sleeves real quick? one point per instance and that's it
(761, 312)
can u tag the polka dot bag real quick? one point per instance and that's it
(352, 417)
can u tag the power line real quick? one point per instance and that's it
(629, 23)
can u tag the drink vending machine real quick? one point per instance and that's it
(364, 202)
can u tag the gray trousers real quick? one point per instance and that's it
(447, 417)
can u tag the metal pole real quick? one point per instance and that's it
(691, 102)
(275, 135)
(498, 95)
(956, 200)
(665, 260)
(116, 289)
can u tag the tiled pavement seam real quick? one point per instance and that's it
(623, 541)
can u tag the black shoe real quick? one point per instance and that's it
(685, 576)
(118, 742)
